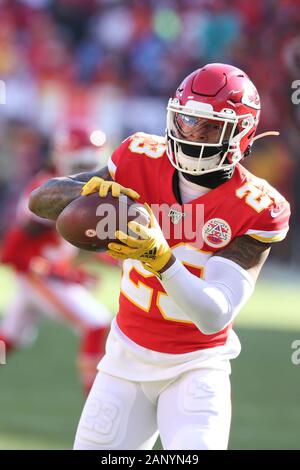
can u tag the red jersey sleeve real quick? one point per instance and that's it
(272, 224)
(116, 159)
(137, 149)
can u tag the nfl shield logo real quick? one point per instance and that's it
(175, 216)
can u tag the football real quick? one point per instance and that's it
(89, 222)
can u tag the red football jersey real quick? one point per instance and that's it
(244, 205)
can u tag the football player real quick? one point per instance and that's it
(167, 361)
(48, 280)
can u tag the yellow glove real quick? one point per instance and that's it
(151, 248)
(96, 184)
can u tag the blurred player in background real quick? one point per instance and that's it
(167, 360)
(50, 282)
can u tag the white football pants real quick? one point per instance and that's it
(191, 412)
(35, 296)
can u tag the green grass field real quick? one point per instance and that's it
(41, 398)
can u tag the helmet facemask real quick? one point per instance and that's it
(201, 140)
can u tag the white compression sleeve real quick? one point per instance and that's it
(211, 303)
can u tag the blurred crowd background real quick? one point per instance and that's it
(113, 65)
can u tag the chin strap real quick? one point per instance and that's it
(265, 134)
(259, 136)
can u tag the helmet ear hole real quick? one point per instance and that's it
(247, 151)
(250, 136)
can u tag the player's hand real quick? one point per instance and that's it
(101, 186)
(151, 248)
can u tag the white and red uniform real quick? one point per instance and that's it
(244, 206)
(177, 374)
(48, 284)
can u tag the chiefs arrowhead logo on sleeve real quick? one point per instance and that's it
(216, 233)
